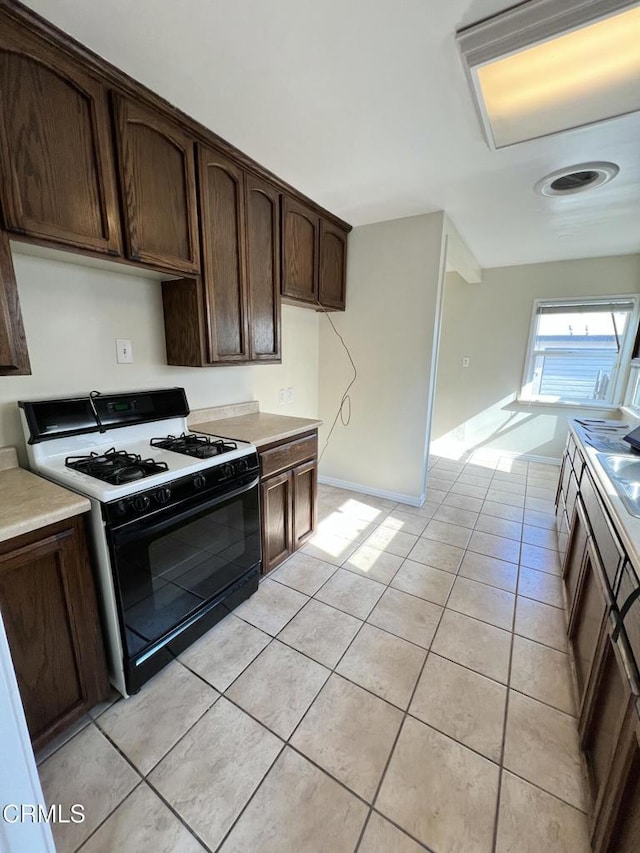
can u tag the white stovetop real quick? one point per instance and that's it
(48, 458)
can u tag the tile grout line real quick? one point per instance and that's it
(331, 671)
(403, 722)
(506, 719)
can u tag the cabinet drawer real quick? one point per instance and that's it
(605, 539)
(287, 455)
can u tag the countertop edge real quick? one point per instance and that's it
(43, 514)
(233, 431)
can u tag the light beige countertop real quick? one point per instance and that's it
(627, 525)
(259, 428)
(29, 502)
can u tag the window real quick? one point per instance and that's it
(633, 389)
(579, 350)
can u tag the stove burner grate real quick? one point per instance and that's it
(115, 466)
(190, 444)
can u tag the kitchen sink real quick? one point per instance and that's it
(624, 472)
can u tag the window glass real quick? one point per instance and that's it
(576, 351)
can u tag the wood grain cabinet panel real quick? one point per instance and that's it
(49, 609)
(277, 519)
(263, 269)
(222, 212)
(305, 490)
(574, 559)
(300, 251)
(14, 357)
(333, 266)
(587, 622)
(157, 183)
(55, 147)
(289, 490)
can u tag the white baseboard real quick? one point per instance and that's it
(398, 497)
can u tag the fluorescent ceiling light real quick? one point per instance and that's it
(547, 66)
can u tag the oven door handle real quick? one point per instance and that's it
(136, 529)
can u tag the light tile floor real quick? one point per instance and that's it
(401, 684)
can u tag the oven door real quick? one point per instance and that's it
(173, 566)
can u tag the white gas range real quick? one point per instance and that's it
(174, 523)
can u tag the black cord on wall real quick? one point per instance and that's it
(345, 400)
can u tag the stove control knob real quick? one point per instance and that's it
(199, 481)
(243, 465)
(229, 470)
(121, 507)
(162, 495)
(141, 502)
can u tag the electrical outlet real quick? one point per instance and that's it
(466, 361)
(282, 396)
(289, 395)
(124, 351)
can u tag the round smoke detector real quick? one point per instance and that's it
(577, 179)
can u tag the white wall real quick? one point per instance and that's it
(489, 322)
(393, 272)
(73, 313)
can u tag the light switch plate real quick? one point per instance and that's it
(124, 351)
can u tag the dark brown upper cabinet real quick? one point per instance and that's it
(263, 266)
(55, 147)
(14, 357)
(300, 251)
(222, 222)
(333, 265)
(157, 181)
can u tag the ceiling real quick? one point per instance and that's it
(363, 105)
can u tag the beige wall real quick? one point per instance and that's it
(393, 273)
(489, 322)
(73, 313)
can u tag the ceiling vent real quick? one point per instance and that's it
(577, 179)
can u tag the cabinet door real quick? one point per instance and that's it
(14, 358)
(616, 819)
(607, 707)
(305, 489)
(263, 268)
(221, 189)
(58, 179)
(333, 265)
(574, 558)
(49, 610)
(277, 521)
(587, 621)
(157, 182)
(300, 237)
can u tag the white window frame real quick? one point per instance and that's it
(619, 387)
(633, 389)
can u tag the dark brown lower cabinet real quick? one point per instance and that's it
(288, 497)
(305, 490)
(610, 731)
(587, 620)
(277, 517)
(575, 554)
(48, 605)
(605, 670)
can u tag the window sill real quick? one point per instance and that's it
(631, 413)
(543, 404)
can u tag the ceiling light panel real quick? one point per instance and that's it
(564, 80)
